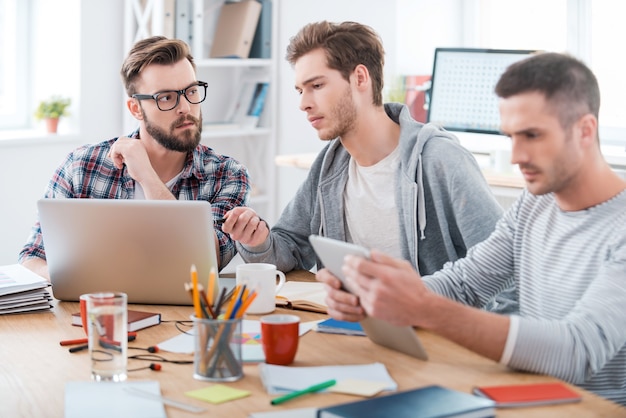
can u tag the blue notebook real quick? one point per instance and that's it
(427, 402)
(334, 326)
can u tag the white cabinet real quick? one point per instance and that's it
(255, 147)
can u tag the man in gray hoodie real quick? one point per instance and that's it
(384, 180)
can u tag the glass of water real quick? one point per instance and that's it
(107, 331)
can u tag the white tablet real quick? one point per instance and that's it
(404, 339)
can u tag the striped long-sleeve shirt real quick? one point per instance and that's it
(570, 272)
(88, 173)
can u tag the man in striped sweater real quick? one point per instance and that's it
(562, 244)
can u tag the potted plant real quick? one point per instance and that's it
(51, 110)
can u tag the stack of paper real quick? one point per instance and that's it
(21, 290)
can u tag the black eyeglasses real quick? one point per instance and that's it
(168, 100)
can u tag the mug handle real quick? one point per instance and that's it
(281, 281)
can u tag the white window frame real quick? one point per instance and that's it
(579, 44)
(16, 77)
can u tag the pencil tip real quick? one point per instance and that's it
(193, 267)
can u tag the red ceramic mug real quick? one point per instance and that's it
(279, 337)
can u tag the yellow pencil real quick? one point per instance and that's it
(196, 294)
(211, 285)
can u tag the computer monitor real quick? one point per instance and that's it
(462, 95)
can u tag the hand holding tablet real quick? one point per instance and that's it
(401, 338)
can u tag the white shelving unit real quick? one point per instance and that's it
(254, 147)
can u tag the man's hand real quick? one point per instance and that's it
(388, 288)
(341, 304)
(243, 225)
(131, 151)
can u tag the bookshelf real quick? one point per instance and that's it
(254, 145)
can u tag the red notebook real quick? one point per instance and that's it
(136, 319)
(510, 396)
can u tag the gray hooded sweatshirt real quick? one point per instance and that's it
(444, 203)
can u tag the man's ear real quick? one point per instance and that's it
(588, 130)
(361, 76)
(134, 108)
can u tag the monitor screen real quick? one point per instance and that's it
(462, 95)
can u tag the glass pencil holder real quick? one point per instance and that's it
(217, 349)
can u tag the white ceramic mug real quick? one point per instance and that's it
(261, 277)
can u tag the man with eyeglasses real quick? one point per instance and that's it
(162, 159)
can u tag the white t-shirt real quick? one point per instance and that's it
(140, 195)
(370, 202)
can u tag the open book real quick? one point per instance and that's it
(304, 296)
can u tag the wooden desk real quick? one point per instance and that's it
(34, 368)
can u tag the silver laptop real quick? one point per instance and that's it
(144, 248)
(400, 338)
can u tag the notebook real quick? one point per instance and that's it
(400, 338)
(427, 402)
(144, 248)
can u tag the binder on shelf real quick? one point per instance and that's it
(262, 41)
(250, 103)
(236, 25)
(183, 20)
(169, 18)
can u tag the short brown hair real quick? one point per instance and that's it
(346, 45)
(568, 85)
(153, 50)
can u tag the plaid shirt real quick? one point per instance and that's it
(88, 173)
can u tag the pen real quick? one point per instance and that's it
(85, 341)
(102, 342)
(220, 221)
(310, 389)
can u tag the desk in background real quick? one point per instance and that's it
(34, 367)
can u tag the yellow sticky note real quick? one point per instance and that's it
(358, 387)
(217, 394)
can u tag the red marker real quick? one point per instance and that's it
(131, 336)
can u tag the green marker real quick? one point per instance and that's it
(310, 389)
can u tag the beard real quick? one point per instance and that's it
(344, 113)
(187, 141)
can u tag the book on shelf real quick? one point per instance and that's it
(136, 319)
(262, 41)
(304, 296)
(235, 29)
(427, 402)
(335, 326)
(249, 104)
(21, 290)
(532, 394)
(183, 20)
(169, 18)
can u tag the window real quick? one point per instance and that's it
(582, 28)
(39, 57)
(14, 68)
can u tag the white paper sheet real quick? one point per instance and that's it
(283, 379)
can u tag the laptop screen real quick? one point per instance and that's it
(144, 248)
(462, 95)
